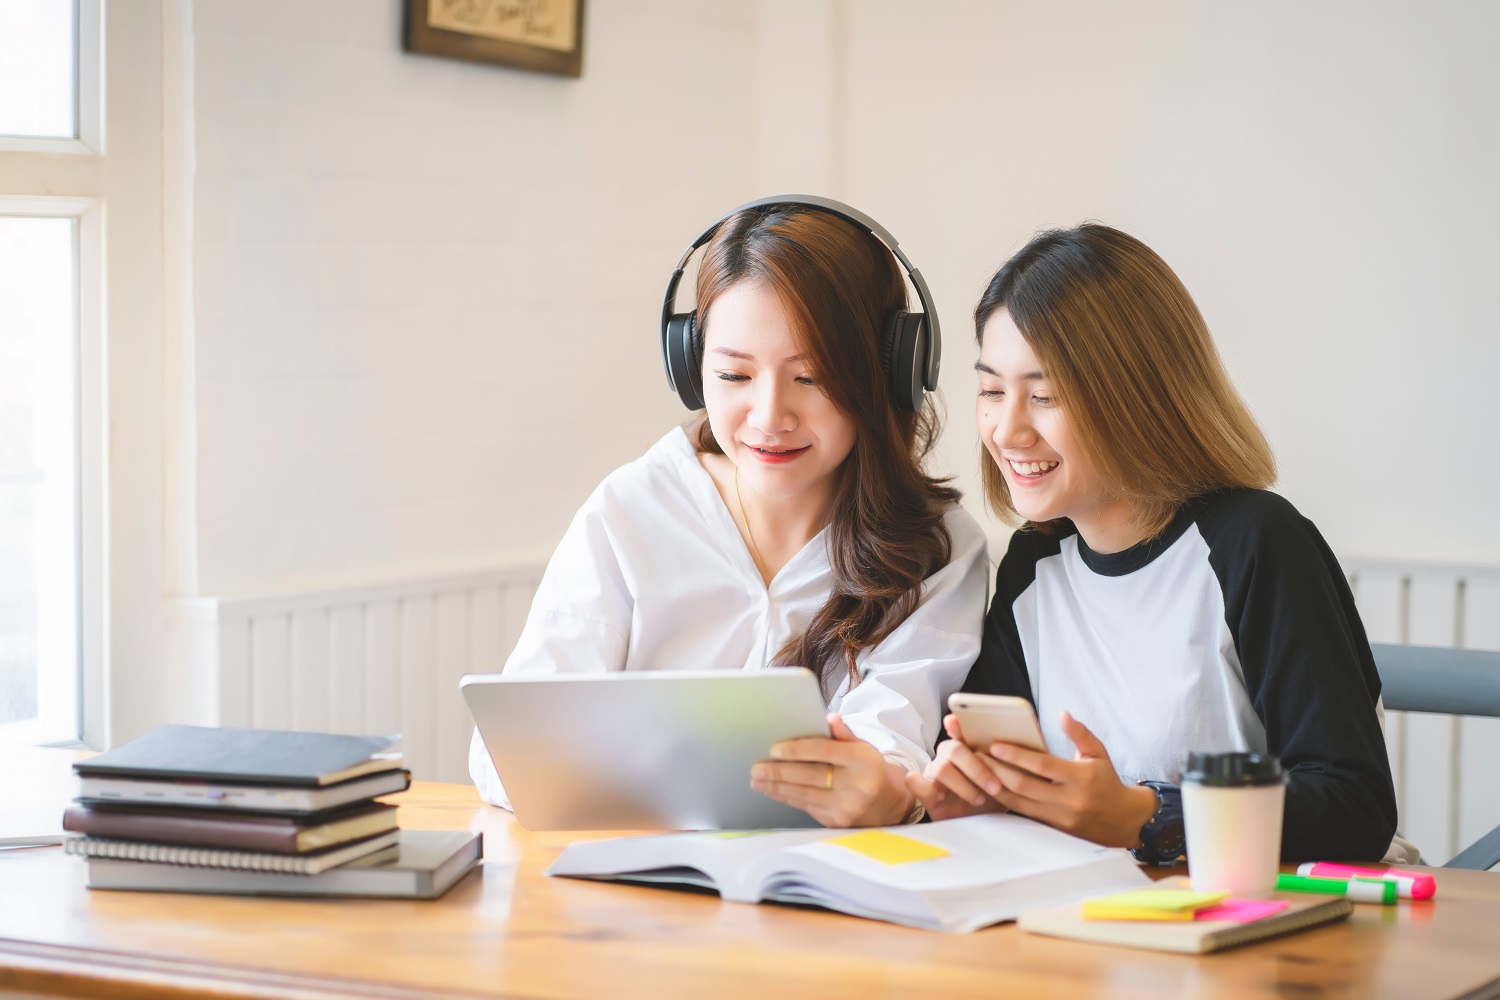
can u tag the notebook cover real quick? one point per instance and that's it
(250, 756)
(223, 796)
(1193, 937)
(238, 830)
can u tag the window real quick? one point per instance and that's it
(39, 517)
(51, 293)
(38, 69)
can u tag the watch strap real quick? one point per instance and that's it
(1162, 837)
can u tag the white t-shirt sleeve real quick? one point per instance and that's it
(898, 705)
(579, 621)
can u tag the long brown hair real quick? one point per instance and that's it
(885, 523)
(1130, 360)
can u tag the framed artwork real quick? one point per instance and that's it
(541, 35)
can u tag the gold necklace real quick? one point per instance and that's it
(760, 562)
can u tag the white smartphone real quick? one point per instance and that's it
(987, 718)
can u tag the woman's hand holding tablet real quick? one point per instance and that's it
(840, 781)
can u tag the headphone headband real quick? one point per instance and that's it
(929, 365)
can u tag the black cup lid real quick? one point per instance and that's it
(1232, 770)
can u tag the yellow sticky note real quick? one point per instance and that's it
(1100, 911)
(1150, 904)
(888, 848)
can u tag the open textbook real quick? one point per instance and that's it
(955, 875)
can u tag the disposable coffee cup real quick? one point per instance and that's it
(1232, 804)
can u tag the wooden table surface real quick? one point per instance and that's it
(508, 931)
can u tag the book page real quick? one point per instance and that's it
(724, 857)
(979, 850)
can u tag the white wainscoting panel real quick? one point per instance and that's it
(1444, 766)
(372, 660)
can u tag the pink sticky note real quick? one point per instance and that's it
(1242, 911)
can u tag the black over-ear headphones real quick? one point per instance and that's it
(910, 346)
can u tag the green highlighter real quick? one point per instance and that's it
(1360, 890)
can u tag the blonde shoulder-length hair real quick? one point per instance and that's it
(1131, 363)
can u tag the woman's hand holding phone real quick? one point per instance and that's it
(956, 782)
(1083, 796)
(977, 722)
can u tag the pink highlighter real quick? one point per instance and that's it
(1409, 885)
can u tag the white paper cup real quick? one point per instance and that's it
(1232, 805)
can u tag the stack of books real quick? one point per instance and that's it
(195, 809)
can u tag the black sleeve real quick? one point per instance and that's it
(1001, 667)
(1309, 673)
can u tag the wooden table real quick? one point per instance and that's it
(508, 931)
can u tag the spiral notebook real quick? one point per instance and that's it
(209, 857)
(422, 866)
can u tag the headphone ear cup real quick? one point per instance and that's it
(683, 352)
(903, 351)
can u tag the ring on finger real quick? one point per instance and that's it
(829, 785)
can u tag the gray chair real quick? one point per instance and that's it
(1445, 682)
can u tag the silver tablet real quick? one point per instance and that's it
(643, 749)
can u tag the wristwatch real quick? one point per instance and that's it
(1162, 838)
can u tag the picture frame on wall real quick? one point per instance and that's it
(541, 35)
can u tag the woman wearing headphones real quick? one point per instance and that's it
(791, 522)
(1157, 600)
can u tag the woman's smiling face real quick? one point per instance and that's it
(764, 404)
(1028, 436)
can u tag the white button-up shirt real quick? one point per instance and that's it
(653, 575)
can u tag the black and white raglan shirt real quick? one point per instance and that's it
(1232, 630)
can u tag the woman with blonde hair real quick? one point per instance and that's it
(1157, 599)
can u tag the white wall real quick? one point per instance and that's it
(427, 291)
(406, 307)
(1322, 177)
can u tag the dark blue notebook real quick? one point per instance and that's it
(243, 756)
